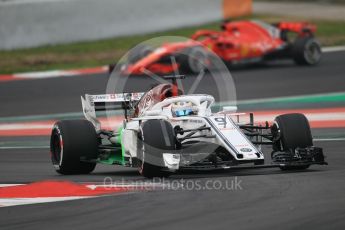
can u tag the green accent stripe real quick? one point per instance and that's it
(120, 130)
(293, 101)
(329, 97)
(25, 144)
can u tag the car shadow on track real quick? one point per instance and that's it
(134, 175)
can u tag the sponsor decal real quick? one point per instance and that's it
(245, 150)
(116, 97)
(229, 128)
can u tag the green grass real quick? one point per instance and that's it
(103, 52)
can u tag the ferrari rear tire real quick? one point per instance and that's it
(306, 51)
(157, 137)
(72, 140)
(194, 60)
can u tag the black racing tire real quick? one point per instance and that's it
(306, 51)
(157, 137)
(138, 52)
(292, 131)
(194, 60)
(70, 141)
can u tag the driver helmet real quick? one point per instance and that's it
(182, 108)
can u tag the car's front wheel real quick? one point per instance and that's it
(291, 131)
(156, 137)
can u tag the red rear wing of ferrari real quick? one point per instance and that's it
(297, 27)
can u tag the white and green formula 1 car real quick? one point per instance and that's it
(165, 132)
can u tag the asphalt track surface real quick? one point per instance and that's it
(266, 199)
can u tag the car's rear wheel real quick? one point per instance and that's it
(71, 142)
(156, 137)
(306, 51)
(291, 131)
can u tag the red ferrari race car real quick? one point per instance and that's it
(238, 42)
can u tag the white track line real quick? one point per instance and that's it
(9, 185)
(25, 126)
(329, 139)
(24, 201)
(44, 74)
(333, 49)
(135, 185)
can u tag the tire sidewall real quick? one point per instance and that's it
(301, 48)
(151, 147)
(77, 139)
(294, 131)
(57, 157)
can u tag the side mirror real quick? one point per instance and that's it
(230, 109)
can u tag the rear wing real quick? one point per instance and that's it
(297, 27)
(103, 102)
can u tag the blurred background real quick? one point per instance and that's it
(54, 34)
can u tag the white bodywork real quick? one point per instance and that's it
(226, 131)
